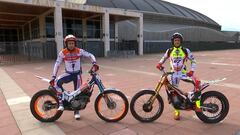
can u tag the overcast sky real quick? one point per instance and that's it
(224, 12)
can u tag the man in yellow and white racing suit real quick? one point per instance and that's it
(178, 56)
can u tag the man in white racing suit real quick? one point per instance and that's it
(71, 56)
(178, 55)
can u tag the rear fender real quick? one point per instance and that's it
(204, 86)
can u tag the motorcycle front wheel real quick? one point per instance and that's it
(143, 110)
(111, 105)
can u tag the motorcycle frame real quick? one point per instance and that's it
(164, 81)
(94, 80)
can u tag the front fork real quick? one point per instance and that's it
(110, 103)
(157, 90)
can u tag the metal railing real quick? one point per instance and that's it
(17, 52)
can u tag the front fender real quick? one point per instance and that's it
(149, 90)
(111, 89)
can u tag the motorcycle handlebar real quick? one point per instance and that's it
(91, 70)
(164, 72)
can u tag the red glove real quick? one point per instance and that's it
(190, 73)
(159, 66)
(95, 67)
(52, 81)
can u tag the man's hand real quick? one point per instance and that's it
(190, 73)
(95, 67)
(52, 81)
(159, 66)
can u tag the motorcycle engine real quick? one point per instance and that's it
(80, 102)
(177, 102)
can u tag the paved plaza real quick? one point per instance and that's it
(18, 84)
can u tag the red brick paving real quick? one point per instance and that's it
(7, 122)
(130, 82)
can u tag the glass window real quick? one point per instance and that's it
(72, 26)
(26, 32)
(112, 30)
(20, 34)
(35, 29)
(93, 29)
(77, 28)
(50, 31)
(8, 35)
(2, 39)
(14, 36)
(69, 31)
(69, 24)
(78, 24)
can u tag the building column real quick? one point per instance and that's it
(116, 35)
(30, 31)
(42, 32)
(28, 44)
(84, 38)
(106, 35)
(18, 35)
(23, 36)
(58, 27)
(42, 27)
(24, 41)
(140, 35)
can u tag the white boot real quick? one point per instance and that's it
(60, 108)
(77, 115)
(191, 96)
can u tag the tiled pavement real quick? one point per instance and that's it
(8, 124)
(130, 75)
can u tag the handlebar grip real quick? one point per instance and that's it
(91, 71)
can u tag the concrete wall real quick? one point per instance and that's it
(163, 31)
(157, 47)
(190, 33)
(157, 18)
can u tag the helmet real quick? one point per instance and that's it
(70, 38)
(177, 35)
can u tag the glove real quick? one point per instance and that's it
(95, 67)
(52, 81)
(190, 73)
(159, 66)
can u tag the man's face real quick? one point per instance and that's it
(71, 45)
(177, 42)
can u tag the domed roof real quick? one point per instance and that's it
(153, 6)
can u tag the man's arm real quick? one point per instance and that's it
(88, 55)
(164, 58)
(192, 59)
(57, 64)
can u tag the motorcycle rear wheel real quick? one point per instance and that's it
(39, 106)
(219, 104)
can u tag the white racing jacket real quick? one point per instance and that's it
(72, 60)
